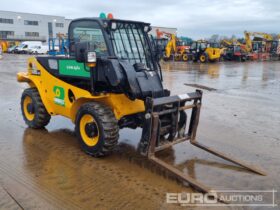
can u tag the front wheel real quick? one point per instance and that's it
(97, 129)
(33, 110)
(203, 58)
(185, 57)
(243, 58)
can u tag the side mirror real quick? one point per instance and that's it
(84, 52)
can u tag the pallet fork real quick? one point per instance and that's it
(154, 129)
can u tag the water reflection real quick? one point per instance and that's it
(222, 76)
(48, 155)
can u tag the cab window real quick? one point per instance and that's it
(87, 31)
(202, 45)
(193, 46)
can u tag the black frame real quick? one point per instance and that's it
(105, 26)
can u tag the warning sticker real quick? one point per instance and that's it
(183, 96)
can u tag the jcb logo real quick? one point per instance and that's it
(59, 92)
(59, 95)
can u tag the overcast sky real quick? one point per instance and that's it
(193, 18)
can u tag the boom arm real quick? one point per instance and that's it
(248, 40)
(226, 42)
(171, 45)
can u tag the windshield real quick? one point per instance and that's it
(202, 45)
(87, 31)
(22, 46)
(237, 48)
(214, 45)
(180, 43)
(193, 46)
(130, 43)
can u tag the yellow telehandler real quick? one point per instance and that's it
(111, 80)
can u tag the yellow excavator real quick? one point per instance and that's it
(172, 50)
(258, 49)
(249, 42)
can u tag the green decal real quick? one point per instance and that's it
(59, 95)
(73, 68)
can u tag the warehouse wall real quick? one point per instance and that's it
(23, 28)
(16, 22)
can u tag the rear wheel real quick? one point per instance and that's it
(33, 110)
(177, 57)
(97, 129)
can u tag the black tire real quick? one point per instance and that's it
(106, 129)
(205, 60)
(185, 57)
(41, 116)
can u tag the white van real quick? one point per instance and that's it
(43, 49)
(24, 47)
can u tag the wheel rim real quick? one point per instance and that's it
(89, 130)
(202, 58)
(185, 57)
(28, 108)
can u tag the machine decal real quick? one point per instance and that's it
(73, 68)
(59, 95)
(183, 96)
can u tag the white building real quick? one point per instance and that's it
(18, 26)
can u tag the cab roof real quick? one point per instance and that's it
(102, 20)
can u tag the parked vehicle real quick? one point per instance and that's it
(12, 49)
(39, 49)
(202, 51)
(24, 47)
(1, 52)
(107, 84)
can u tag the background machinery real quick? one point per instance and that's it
(201, 51)
(4, 46)
(58, 45)
(257, 48)
(233, 51)
(175, 49)
(8, 44)
(111, 80)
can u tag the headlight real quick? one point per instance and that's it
(91, 57)
(113, 25)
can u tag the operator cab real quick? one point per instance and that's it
(214, 45)
(124, 40)
(198, 46)
(110, 56)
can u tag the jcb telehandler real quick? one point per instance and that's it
(202, 51)
(111, 80)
